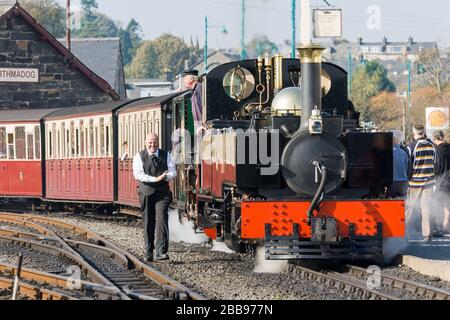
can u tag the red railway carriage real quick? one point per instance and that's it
(21, 151)
(80, 153)
(134, 122)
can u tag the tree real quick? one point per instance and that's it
(130, 40)
(48, 13)
(97, 26)
(387, 111)
(435, 67)
(87, 6)
(160, 58)
(142, 66)
(260, 45)
(368, 81)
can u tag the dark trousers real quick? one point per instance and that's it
(155, 215)
(398, 189)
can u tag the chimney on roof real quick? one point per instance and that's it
(410, 41)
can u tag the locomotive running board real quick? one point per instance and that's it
(294, 248)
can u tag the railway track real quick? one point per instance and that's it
(364, 284)
(101, 261)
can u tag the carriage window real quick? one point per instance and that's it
(96, 149)
(72, 140)
(62, 151)
(86, 141)
(37, 142)
(2, 143)
(20, 142)
(101, 151)
(107, 141)
(11, 146)
(58, 145)
(30, 149)
(50, 145)
(81, 139)
(77, 142)
(91, 138)
(54, 141)
(68, 143)
(138, 135)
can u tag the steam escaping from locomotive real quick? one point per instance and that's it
(268, 266)
(183, 231)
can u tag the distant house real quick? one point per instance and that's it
(385, 50)
(104, 57)
(148, 87)
(392, 55)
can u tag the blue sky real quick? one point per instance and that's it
(424, 20)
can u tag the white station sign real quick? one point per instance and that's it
(19, 75)
(327, 23)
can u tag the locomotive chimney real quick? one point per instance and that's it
(311, 61)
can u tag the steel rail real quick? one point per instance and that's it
(34, 292)
(178, 290)
(59, 281)
(91, 271)
(341, 282)
(413, 287)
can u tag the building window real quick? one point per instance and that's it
(20, 143)
(3, 143)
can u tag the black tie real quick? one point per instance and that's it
(154, 159)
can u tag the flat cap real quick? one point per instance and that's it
(190, 72)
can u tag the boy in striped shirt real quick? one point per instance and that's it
(423, 158)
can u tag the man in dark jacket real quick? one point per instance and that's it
(153, 168)
(442, 171)
(402, 166)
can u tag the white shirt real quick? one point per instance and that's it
(139, 173)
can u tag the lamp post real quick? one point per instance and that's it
(293, 39)
(243, 50)
(205, 49)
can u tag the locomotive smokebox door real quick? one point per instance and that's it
(324, 230)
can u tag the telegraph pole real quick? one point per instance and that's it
(205, 49)
(68, 45)
(409, 85)
(243, 50)
(293, 40)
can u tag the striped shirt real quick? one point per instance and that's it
(423, 158)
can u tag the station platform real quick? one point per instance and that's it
(428, 258)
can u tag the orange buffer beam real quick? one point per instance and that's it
(363, 214)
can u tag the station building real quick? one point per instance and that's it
(37, 71)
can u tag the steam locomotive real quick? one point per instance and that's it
(282, 161)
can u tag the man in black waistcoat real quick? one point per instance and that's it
(153, 168)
